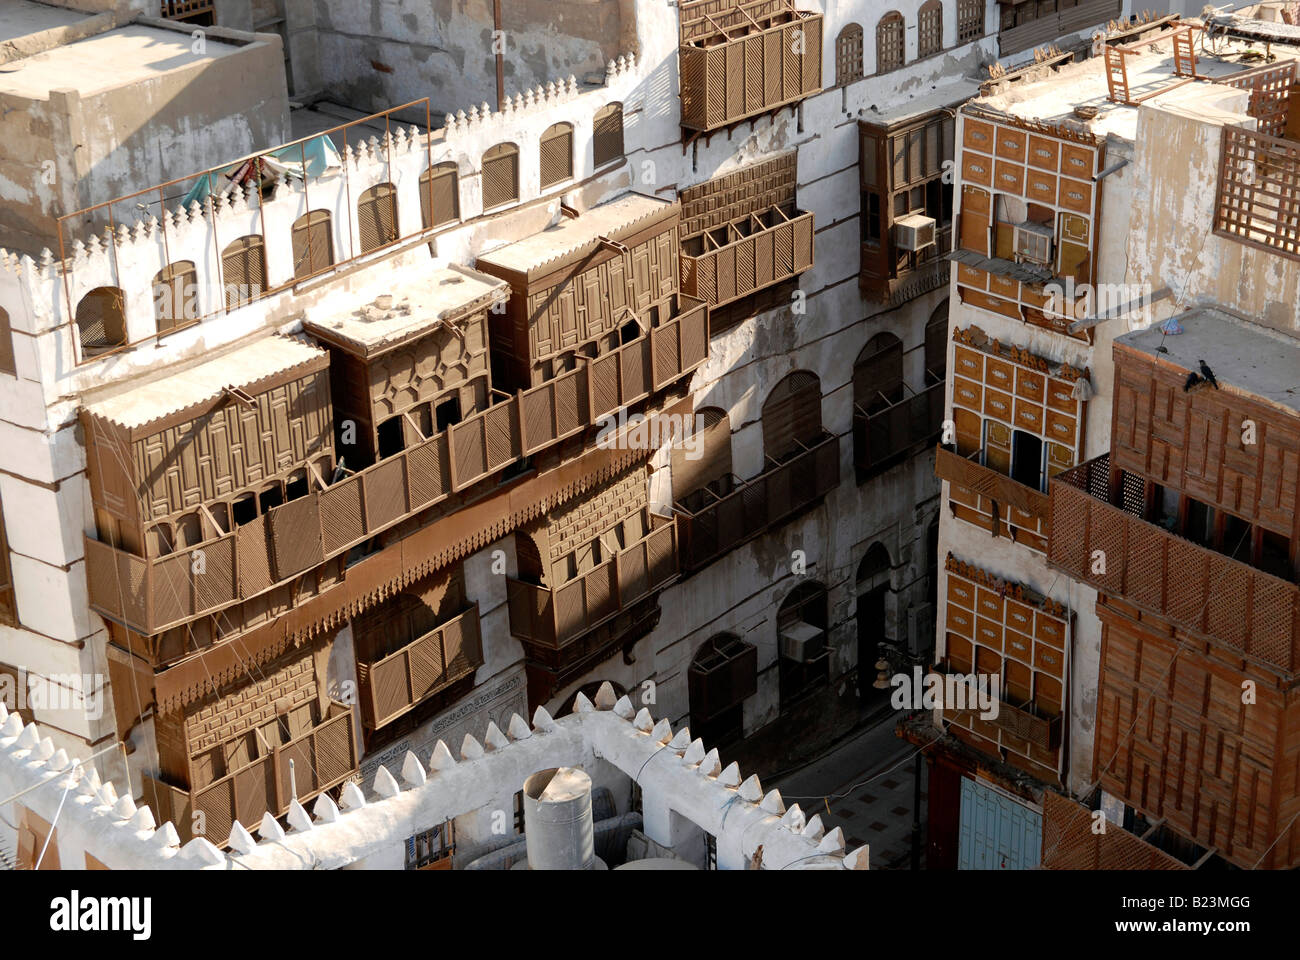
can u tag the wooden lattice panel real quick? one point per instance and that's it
(1270, 94)
(1071, 842)
(1258, 199)
(751, 189)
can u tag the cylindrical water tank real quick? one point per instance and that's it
(557, 820)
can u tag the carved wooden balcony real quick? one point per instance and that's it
(753, 506)
(1016, 505)
(322, 758)
(1192, 587)
(739, 60)
(882, 437)
(394, 684)
(748, 254)
(554, 618)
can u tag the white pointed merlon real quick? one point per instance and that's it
(581, 704)
(59, 761)
(694, 753)
(90, 782)
(201, 850)
(385, 785)
(793, 820)
(240, 839)
(413, 770)
(662, 732)
(813, 829)
(298, 818)
(352, 798)
(542, 721)
(494, 739)
(325, 810)
(730, 777)
(605, 696)
(124, 809)
(107, 793)
(29, 738)
(4, 713)
(517, 728)
(859, 859)
(833, 842)
(623, 708)
(773, 803)
(13, 727)
(644, 722)
(143, 820)
(44, 750)
(270, 829)
(751, 789)
(165, 836)
(711, 763)
(441, 758)
(681, 739)
(470, 749)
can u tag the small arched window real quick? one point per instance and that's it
(500, 175)
(313, 244)
(607, 134)
(722, 674)
(243, 270)
(848, 55)
(439, 195)
(889, 42)
(176, 295)
(970, 20)
(557, 154)
(101, 320)
(792, 416)
(878, 374)
(929, 33)
(706, 460)
(377, 217)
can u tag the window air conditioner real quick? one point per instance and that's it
(1034, 243)
(914, 232)
(802, 642)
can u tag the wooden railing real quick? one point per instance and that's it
(880, 438)
(322, 758)
(738, 258)
(392, 685)
(969, 473)
(151, 595)
(1258, 198)
(556, 617)
(1192, 587)
(756, 505)
(745, 66)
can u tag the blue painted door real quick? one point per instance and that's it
(997, 832)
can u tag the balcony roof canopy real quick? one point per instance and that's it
(1243, 356)
(358, 323)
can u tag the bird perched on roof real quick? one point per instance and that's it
(1208, 375)
(1192, 380)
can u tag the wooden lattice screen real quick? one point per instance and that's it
(889, 42)
(243, 270)
(377, 217)
(724, 199)
(1270, 94)
(313, 244)
(175, 291)
(929, 34)
(792, 415)
(557, 154)
(500, 175)
(101, 319)
(1258, 199)
(970, 20)
(607, 134)
(848, 55)
(439, 195)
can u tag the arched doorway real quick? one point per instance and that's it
(872, 588)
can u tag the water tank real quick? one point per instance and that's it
(557, 820)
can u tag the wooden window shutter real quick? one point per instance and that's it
(929, 39)
(607, 135)
(878, 373)
(848, 55)
(792, 415)
(6, 345)
(713, 434)
(377, 217)
(313, 244)
(889, 42)
(557, 154)
(500, 175)
(175, 295)
(970, 20)
(243, 270)
(439, 195)
(101, 319)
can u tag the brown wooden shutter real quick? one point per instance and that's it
(243, 270)
(439, 195)
(970, 20)
(102, 320)
(929, 29)
(313, 244)
(500, 175)
(557, 154)
(889, 42)
(6, 346)
(792, 415)
(878, 374)
(713, 434)
(607, 134)
(848, 55)
(936, 345)
(377, 217)
(175, 296)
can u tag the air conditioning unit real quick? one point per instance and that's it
(1033, 242)
(914, 232)
(802, 642)
(920, 630)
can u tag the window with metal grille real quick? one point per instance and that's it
(101, 320)
(6, 345)
(889, 42)
(848, 55)
(557, 154)
(792, 416)
(607, 134)
(313, 244)
(377, 217)
(439, 195)
(929, 34)
(500, 175)
(243, 270)
(970, 20)
(175, 296)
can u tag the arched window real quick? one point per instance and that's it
(705, 460)
(313, 244)
(792, 416)
(607, 135)
(929, 33)
(500, 175)
(970, 20)
(6, 345)
(243, 270)
(848, 55)
(723, 673)
(936, 345)
(878, 374)
(557, 154)
(804, 657)
(101, 320)
(377, 217)
(439, 195)
(175, 295)
(889, 42)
